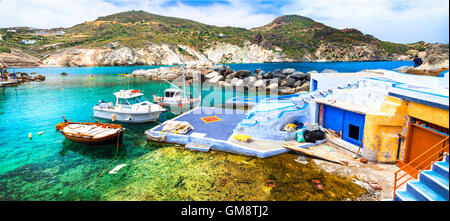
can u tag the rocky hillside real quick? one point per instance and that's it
(17, 58)
(436, 58)
(141, 38)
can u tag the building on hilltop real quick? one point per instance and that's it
(28, 42)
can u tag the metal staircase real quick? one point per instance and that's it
(432, 184)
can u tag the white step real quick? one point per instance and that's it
(198, 147)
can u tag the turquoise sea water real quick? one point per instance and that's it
(49, 167)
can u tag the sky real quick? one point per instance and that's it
(399, 21)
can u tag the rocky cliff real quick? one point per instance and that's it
(436, 58)
(142, 38)
(19, 59)
(163, 54)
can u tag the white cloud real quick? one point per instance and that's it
(237, 14)
(393, 20)
(66, 13)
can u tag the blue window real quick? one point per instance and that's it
(123, 101)
(314, 85)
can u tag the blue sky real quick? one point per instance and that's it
(401, 21)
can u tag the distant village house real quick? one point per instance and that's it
(29, 42)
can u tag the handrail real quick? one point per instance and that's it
(433, 153)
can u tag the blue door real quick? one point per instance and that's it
(353, 127)
(349, 123)
(333, 118)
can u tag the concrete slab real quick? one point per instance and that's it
(217, 134)
(216, 129)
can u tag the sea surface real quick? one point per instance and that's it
(49, 167)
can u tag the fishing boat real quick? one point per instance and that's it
(131, 107)
(177, 100)
(91, 133)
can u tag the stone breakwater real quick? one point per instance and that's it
(286, 81)
(20, 77)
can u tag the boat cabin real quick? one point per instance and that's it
(172, 93)
(129, 97)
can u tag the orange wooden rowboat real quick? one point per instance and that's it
(91, 133)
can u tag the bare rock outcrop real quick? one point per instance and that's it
(18, 58)
(248, 53)
(436, 58)
(163, 54)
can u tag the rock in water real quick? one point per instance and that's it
(298, 84)
(212, 75)
(39, 78)
(277, 71)
(243, 73)
(219, 68)
(287, 71)
(326, 70)
(305, 87)
(267, 75)
(289, 82)
(298, 75)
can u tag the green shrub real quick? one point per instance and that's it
(5, 49)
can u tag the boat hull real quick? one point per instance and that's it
(127, 117)
(113, 139)
(175, 108)
(81, 137)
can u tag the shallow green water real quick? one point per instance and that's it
(48, 166)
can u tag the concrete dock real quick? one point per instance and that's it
(214, 130)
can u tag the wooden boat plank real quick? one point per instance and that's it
(309, 153)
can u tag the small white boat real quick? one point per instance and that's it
(131, 107)
(176, 101)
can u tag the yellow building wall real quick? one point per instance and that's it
(381, 130)
(430, 114)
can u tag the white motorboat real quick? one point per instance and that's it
(176, 99)
(131, 107)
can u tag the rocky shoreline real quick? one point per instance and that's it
(435, 61)
(20, 77)
(286, 81)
